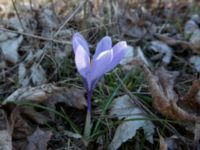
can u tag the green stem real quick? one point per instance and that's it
(87, 129)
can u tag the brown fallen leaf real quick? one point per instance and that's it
(195, 41)
(50, 95)
(5, 132)
(172, 142)
(173, 42)
(132, 24)
(32, 115)
(164, 98)
(21, 127)
(38, 140)
(123, 108)
(16, 127)
(190, 100)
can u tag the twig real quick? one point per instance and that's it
(70, 17)
(18, 15)
(36, 36)
(79, 7)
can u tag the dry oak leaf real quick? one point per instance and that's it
(49, 94)
(164, 98)
(173, 42)
(5, 132)
(191, 99)
(38, 140)
(124, 108)
(17, 126)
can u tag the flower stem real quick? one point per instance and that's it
(88, 125)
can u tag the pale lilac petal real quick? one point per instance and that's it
(100, 64)
(118, 53)
(103, 45)
(79, 40)
(82, 61)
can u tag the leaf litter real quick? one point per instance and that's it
(37, 67)
(123, 108)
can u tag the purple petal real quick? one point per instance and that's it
(79, 40)
(101, 63)
(82, 61)
(118, 53)
(103, 45)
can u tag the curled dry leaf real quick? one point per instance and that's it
(123, 108)
(38, 140)
(9, 49)
(37, 74)
(6, 35)
(164, 98)
(196, 18)
(22, 75)
(48, 21)
(132, 24)
(190, 27)
(191, 99)
(60, 54)
(173, 42)
(31, 72)
(131, 53)
(127, 58)
(16, 126)
(50, 95)
(172, 142)
(195, 40)
(5, 132)
(162, 48)
(195, 60)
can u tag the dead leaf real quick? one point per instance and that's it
(195, 40)
(50, 95)
(128, 58)
(123, 108)
(5, 132)
(195, 60)
(162, 48)
(190, 27)
(164, 98)
(22, 75)
(60, 54)
(38, 140)
(170, 143)
(196, 18)
(48, 21)
(132, 24)
(33, 115)
(21, 128)
(130, 55)
(5, 140)
(18, 125)
(173, 42)
(190, 100)
(38, 76)
(9, 49)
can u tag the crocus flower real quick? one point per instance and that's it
(105, 59)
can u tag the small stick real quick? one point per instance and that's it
(35, 36)
(18, 15)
